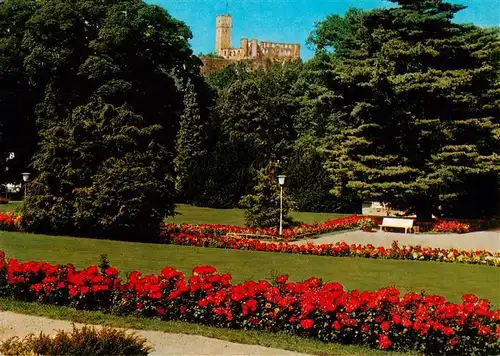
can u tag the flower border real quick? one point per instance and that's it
(326, 311)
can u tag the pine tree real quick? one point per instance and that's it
(263, 206)
(417, 107)
(191, 143)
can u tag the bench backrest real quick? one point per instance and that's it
(393, 222)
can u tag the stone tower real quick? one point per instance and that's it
(223, 33)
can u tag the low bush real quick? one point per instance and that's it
(326, 311)
(86, 341)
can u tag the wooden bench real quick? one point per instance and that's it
(406, 224)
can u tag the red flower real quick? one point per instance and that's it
(384, 342)
(386, 325)
(483, 330)
(203, 303)
(396, 319)
(306, 323)
(336, 325)
(448, 331)
(203, 270)
(73, 291)
(111, 272)
(282, 279)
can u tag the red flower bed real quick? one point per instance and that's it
(304, 230)
(339, 249)
(383, 319)
(272, 232)
(458, 226)
(9, 221)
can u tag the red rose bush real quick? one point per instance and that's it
(289, 234)
(10, 221)
(383, 319)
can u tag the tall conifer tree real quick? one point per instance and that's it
(417, 107)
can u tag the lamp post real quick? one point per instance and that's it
(26, 177)
(281, 181)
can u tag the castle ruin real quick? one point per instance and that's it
(258, 53)
(250, 49)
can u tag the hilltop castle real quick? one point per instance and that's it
(250, 49)
(259, 53)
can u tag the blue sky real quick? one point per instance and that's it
(289, 20)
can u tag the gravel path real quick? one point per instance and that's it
(480, 240)
(12, 324)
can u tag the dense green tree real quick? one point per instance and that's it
(254, 124)
(417, 107)
(105, 63)
(192, 144)
(110, 180)
(336, 33)
(17, 96)
(310, 182)
(262, 205)
(222, 79)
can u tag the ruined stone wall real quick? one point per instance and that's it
(257, 54)
(211, 64)
(279, 51)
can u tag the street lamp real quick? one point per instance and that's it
(26, 177)
(281, 181)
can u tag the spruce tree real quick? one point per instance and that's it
(191, 145)
(417, 108)
(263, 204)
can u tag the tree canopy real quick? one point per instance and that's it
(103, 100)
(418, 102)
(108, 75)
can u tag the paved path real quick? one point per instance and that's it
(481, 240)
(12, 324)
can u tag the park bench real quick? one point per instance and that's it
(406, 224)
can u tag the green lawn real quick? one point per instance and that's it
(12, 206)
(447, 279)
(196, 215)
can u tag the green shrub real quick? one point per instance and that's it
(85, 341)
